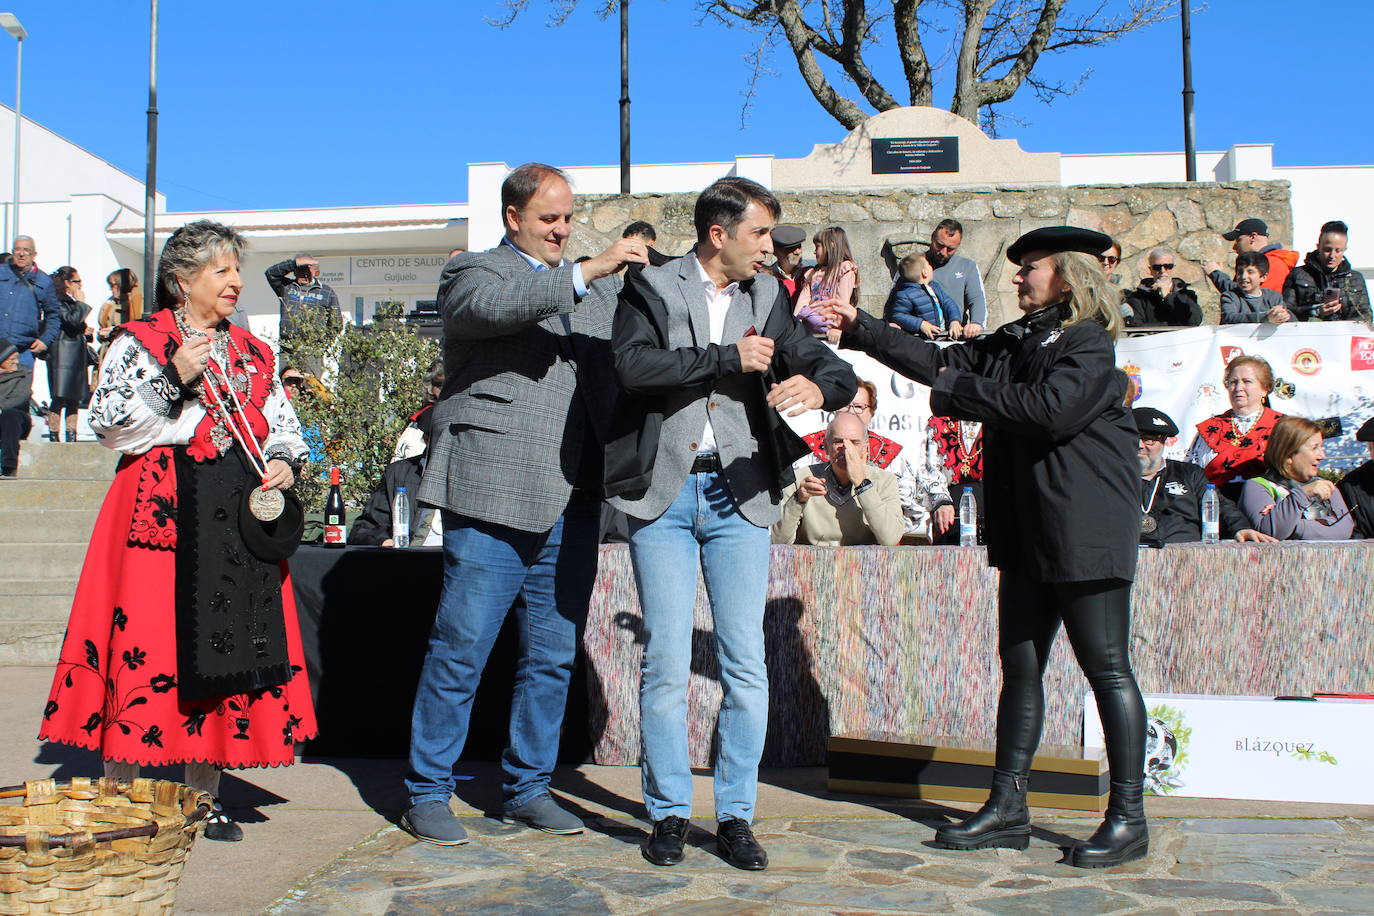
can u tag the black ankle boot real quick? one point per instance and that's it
(1123, 836)
(71, 435)
(1002, 821)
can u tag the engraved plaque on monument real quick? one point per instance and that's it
(900, 155)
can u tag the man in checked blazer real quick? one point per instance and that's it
(516, 466)
(709, 355)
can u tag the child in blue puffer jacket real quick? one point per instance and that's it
(918, 304)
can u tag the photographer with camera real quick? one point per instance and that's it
(296, 282)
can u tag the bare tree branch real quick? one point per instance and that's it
(919, 83)
(1000, 43)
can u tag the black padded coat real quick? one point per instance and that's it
(1061, 474)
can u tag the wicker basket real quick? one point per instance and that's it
(96, 845)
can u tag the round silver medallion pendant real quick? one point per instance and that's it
(266, 505)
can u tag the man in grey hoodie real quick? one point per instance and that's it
(958, 276)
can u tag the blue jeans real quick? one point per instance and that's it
(704, 523)
(487, 567)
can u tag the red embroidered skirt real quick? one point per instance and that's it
(115, 690)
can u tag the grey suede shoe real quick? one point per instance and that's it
(543, 813)
(433, 822)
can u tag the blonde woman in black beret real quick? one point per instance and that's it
(1061, 482)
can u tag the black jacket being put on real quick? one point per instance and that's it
(1061, 476)
(1174, 500)
(1179, 309)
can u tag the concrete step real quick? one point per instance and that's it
(24, 493)
(12, 589)
(41, 460)
(58, 526)
(35, 607)
(43, 561)
(31, 642)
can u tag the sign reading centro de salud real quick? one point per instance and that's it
(383, 270)
(899, 155)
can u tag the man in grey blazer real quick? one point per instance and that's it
(709, 354)
(515, 465)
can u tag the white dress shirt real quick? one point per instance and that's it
(717, 304)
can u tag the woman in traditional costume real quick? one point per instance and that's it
(183, 645)
(1230, 446)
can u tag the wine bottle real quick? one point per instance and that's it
(334, 512)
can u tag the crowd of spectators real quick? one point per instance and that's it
(897, 497)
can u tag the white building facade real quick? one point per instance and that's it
(85, 212)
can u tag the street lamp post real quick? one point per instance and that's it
(10, 23)
(150, 182)
(1189, 134)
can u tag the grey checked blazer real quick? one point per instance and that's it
(529, 376)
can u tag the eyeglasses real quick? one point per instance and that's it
(1169, 266)
(293, 381)
(857, 407)
(1109, 260)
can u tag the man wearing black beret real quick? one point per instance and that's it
(1171, 491)
(1358, 486)
(787, 254)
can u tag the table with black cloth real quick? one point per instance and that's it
(365, 616)
(858, 639)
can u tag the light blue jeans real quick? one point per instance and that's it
(486, 568)
(702, 523)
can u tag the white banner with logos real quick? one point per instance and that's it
(1321, 369)
(1254, 747)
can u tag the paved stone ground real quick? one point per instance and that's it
(852, 865)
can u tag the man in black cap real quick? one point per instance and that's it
(787, 248)
(640, 229)
(1171, 491)
(1357, 487)
(14, 407)
(1252, 234)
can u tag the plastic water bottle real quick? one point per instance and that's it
(1211, 516)
(968, 519)
(400, 519)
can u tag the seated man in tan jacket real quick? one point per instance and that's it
(843, 501)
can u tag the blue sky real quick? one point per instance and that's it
(315, 104)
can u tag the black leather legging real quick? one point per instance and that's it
(1097, 617)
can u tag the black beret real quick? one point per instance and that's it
(1366, 432)
(6, 349)
(1054, 239)
(1154, 422)
(788, 236)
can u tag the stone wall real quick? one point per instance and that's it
(883, 225)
